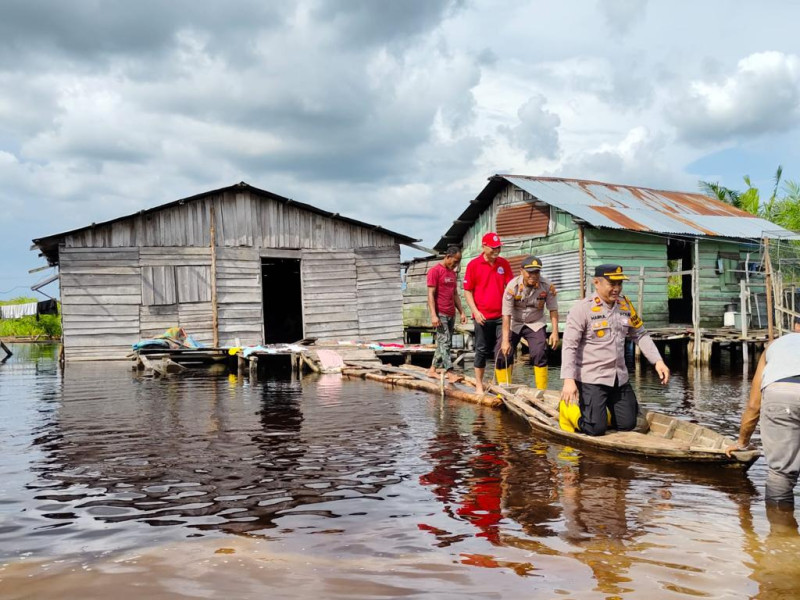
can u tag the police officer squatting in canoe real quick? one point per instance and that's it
(524, 302)
(597, 394)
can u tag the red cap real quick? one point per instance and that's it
(492, 240)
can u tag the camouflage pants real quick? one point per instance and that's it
(444, 341)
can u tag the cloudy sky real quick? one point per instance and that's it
(393, 112)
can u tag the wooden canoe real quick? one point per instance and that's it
(657, 436)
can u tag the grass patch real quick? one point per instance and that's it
(46, 326)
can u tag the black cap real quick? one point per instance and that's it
(531, 263)
(610, 272)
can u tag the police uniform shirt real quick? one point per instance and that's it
(594, 341)
(525, 305)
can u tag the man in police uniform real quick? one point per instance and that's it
(593, 356)
(524, 301)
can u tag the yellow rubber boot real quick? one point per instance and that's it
(503, 376)
(568, 415)
(540, 376)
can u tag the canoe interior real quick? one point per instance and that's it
(657, 435)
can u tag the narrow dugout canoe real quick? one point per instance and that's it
(657, 436)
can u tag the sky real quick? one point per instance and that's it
(392, 112)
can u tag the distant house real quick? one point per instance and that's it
(573, 225)
(234, 265)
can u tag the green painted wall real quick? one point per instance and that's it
(633, 251)
(630, 249)
(719, 287)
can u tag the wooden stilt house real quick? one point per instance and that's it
(238, 265)
(574, 225)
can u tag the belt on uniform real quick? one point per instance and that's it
(793, 379)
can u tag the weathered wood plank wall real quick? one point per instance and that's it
(379, 293)
(101, 290)
(330, 305)
(239, 296)
(134, 278)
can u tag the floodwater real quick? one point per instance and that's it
(117, 486)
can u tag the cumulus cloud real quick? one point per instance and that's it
(622, 15)
(761, 96)
(537, 131)
(642, 158)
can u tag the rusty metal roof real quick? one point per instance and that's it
(626, 207)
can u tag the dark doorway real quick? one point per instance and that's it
(282, 300)
(679, 258)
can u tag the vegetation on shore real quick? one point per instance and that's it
(46, 326)
(782, 207)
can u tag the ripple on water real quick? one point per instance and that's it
(308, 485)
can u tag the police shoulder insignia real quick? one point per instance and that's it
(553, 289)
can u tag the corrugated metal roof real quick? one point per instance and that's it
(625, 207)
(645, 209)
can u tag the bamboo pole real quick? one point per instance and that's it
(768, 267)
(214, 309)
(411, 382)
(582, 260)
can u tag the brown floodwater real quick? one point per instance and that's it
(114, 485)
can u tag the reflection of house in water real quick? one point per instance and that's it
(208, 453)
(466, 474)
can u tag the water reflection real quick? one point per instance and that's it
(385, 491)
(206, 453)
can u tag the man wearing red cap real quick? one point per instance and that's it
(484, 281)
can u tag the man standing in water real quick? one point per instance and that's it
(524, 301)
(484, 282)
(776, 385)
(443, 302)
(593, 356)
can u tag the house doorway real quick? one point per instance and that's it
(282, 300)
(679, 258)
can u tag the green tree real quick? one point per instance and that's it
(782, 207)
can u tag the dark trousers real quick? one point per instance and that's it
(595, 398)
(486, 337)
(537, 346)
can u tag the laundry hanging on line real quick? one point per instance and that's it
(29, 309)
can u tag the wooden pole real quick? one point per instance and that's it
(696, 300)
(744, 315)
(777, 293)
(640, 300)
(214, 311)
(582, 260)
(768, 267)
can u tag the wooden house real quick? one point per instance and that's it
(573, 225)
(238, 265)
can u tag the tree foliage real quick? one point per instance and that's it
(782, 207)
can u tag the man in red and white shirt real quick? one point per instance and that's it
(484, 282)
